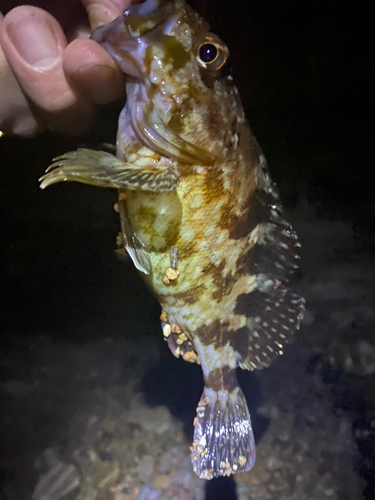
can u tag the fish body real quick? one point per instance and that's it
(200, 217)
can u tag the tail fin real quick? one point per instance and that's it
(223, 437)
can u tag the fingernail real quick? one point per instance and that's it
(35, 41)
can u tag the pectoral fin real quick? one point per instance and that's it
(102, 169)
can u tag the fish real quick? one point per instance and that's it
(200, 217)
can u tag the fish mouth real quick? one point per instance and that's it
(126, 40)
(123, 37)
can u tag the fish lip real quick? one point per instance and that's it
(153, 13)
(125, 44)
(144, 9)
(119, 44)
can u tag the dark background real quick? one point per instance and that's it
(305, 72)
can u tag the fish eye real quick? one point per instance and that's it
(208, 53)
(211, 55)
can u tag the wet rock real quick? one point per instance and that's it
(58, 482)
(145, 468)
(148, 493)
(161, 482)
(302, 452)
(156, 419)
(273, 463)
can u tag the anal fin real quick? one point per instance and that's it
(177, 341)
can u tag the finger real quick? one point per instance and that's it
(99, 77)
(16, 117)
(34, 43)
(78, 25)
(103, 11)
(93, 71)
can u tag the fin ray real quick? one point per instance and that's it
(275, 252)
(223, 436)
(102, 169)
(132, 244)
(270, 311)
(178, 343)
(273, 314)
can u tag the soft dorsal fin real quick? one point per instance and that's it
(269, 311)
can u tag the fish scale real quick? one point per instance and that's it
(201, 219)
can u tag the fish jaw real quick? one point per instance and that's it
(118, 43)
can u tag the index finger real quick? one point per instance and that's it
(87, 65)
(104, 11)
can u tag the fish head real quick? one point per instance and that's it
(181, 99)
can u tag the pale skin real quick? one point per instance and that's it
(51, 75)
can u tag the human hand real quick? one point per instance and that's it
(47, 82)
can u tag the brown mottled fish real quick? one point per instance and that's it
(200, 217)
